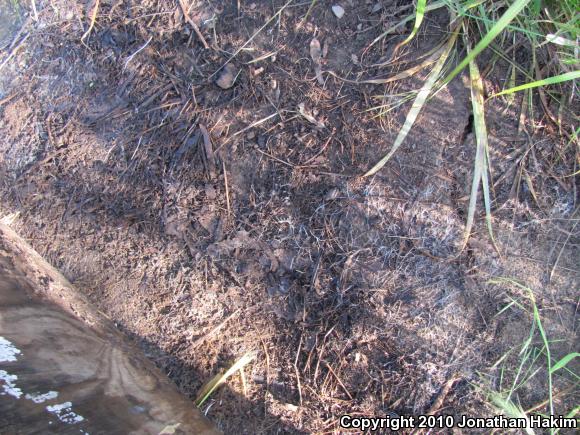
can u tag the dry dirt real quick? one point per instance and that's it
(210, 222)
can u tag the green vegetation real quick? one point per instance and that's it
(222, 377)
(492, 26)
(535, 358)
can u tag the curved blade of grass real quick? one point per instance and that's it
(560, 40)
(220, 378)
(431, 7)
(418, 103)
(564, 361)
(428, 54)
(431, 57)
(538, 321)
(538, 324)
(94, 11)
(497, 28)
(572, 75)
(481, 166)
(312, 4)
(419, 15)
(428, 8)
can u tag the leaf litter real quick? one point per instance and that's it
(181, 207)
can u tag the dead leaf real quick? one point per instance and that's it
(170, 429)
(316, 55)
(315, 50)
(309, 117)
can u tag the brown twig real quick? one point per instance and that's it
(227, 189)
(14, 50)
(92, 23)
(8, 98)
(442, 395)
(192, 24)
(337, 379)
(297, 373)
(214, 331)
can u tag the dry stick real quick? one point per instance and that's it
(244, 382)
(243, 130)
(570, 389)
(296, 370)
(192, 24)
(14, 50)
(275, 158)
(321, 150)
(252, 37)
(214, 331)
(267, 374)
(227, 188)
(444, 392)
(320, 353)
(8, 98)
(208, 149)
(337, 379)
(130, 58)
(93, 19)
(17, 36)
(34, 11)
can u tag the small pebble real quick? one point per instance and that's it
(338, 11)
(227, 77)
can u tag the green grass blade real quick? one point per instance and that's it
(507, 307)
(548, 354)
(501, 24)
(538, 324)
(220, 378)
(571, 414)
(418, 103)
(572, 75)
(564, 361)
(419, 15)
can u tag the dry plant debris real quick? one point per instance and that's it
(210, 201)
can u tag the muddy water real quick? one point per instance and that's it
(10, 20)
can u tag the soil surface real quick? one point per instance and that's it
(215, 211)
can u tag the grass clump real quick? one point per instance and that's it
(520, 372)
(550, 28)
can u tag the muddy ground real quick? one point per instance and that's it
(209, 222)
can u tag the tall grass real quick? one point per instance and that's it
(535, 358)
(490, 25)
